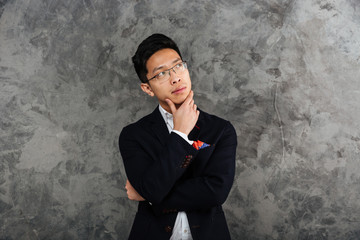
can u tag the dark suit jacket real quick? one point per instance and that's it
(173, 176)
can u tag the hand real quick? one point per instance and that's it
(186, 116)
(132, 193)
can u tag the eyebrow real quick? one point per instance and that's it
(162, 66)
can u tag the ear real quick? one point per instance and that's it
(147, 89)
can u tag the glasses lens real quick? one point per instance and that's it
(165, 75)
(180, 67)
(162, 76)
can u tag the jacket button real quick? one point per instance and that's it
(168, 229)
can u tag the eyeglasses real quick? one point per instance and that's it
(163, 76)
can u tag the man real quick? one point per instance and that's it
(180, 161)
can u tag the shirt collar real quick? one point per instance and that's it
(168, 118)
(166, 115)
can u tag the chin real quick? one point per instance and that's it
(180, 99)
(178, 102)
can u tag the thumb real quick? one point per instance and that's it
(171, 105)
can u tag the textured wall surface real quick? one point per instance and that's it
(284, 72)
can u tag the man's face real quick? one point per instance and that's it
(176, 88)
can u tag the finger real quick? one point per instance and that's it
(171, 105)
(191, 102)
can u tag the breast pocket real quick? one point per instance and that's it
(201, 160)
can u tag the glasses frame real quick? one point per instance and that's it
(168, 70)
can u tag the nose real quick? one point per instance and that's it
(173, 77)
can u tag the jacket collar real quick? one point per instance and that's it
(159, 127)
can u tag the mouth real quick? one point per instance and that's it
(179, 90)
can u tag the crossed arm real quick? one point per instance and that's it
(209, 189)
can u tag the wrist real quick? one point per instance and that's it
(183, 131)
(184, 136)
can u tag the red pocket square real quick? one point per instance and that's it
(200, 145)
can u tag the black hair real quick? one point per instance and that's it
(147, 48)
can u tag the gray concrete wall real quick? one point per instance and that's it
(284, 72)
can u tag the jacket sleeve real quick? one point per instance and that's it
(153, 174)
(213, 186)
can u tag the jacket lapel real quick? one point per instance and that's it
(159, 126)
(194, 134)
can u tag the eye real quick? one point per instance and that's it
(179, 65)
(161, 74)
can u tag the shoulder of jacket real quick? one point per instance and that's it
(207, 117)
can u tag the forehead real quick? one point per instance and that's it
(162, 59)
